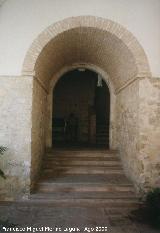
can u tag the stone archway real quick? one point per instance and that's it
(97, 42)
(125, 38)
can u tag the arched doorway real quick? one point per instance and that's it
(103, 45)
(84, 95)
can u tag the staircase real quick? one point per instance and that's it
(84, 178)
(102, 135)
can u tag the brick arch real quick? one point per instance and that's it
(113, 48)
(103, 44)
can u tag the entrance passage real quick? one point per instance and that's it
(81, 109)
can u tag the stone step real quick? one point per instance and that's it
(86, 202)
(84, 178)
(81, 156)
(81, 153)
(48, 187)
(83, 159)
(84, 195)
(53, 163)
(102, 179)
(83, 170)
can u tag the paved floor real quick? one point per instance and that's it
(59, 219)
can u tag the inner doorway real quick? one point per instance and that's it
(81, 110)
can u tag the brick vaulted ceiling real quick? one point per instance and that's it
(122, 58)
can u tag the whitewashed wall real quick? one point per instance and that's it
(15, 134)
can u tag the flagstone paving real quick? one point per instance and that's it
(70, 219)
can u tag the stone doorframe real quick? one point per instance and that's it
(56, 78)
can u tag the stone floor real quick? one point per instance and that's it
(79, 219)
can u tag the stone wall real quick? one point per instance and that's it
(22, 131)
(149, 138)
(127, 130)
(15, 134)
(38, 129)
(138, 132)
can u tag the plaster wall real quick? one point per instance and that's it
(149, 123)
(138, 132)
(38, 129)
(127, 119)
(15, 134)
(22, 21)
